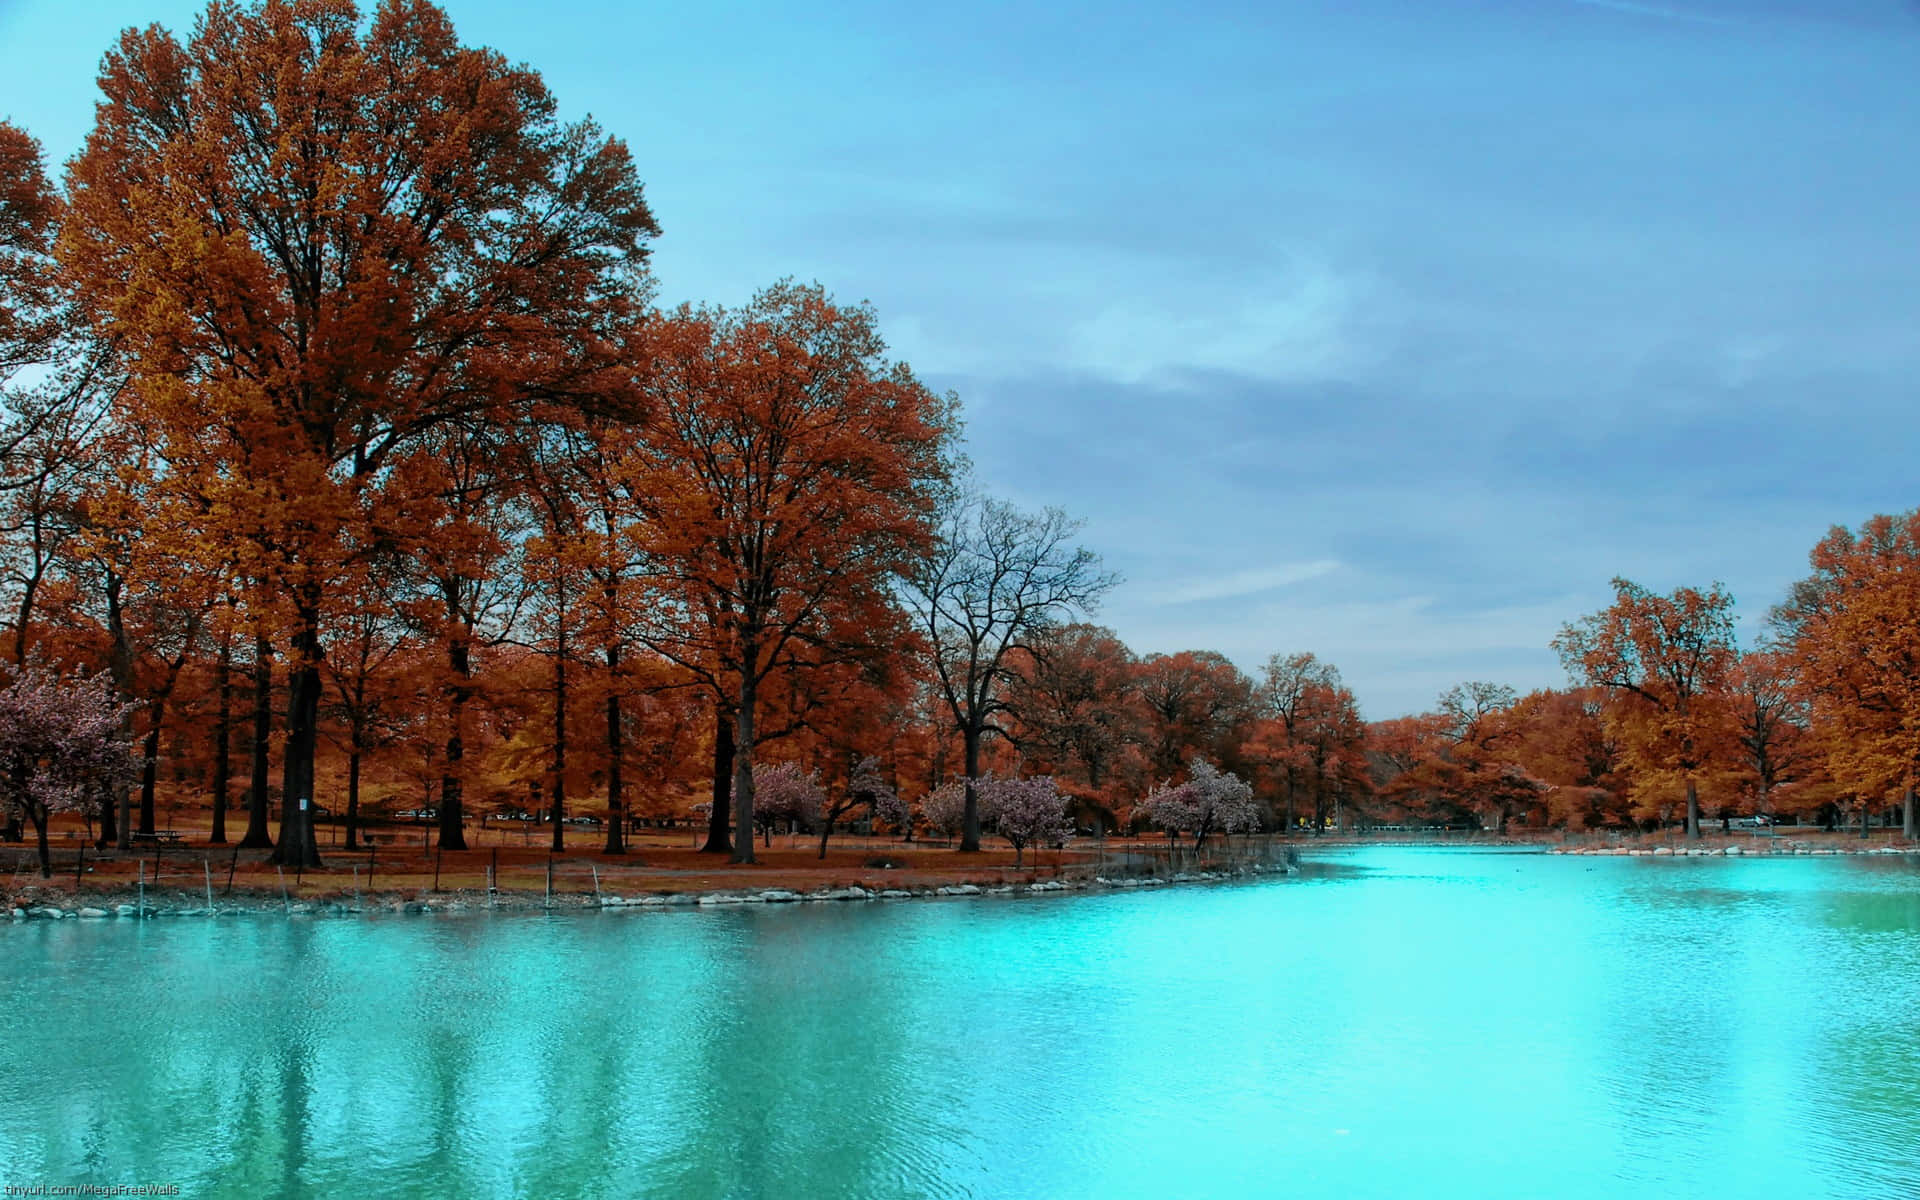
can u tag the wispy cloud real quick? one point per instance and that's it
(1246, 583)
(1654, 10)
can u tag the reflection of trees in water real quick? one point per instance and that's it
(808, 1058)
(1875, 912)
(1867, 1056)
(1870, 1093)
(1672, 990)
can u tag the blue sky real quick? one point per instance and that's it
(1386, 329)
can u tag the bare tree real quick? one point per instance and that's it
(996, 579)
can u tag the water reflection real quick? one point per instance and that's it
(1392, 1022)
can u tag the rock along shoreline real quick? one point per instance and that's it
(1787, 851)
(128, 906)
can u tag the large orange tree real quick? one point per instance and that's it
(1665, 663)
(1852, 641)
(786, 481)
(319, 238)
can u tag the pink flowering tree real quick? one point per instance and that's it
(62, 744)
(866, 788)
(944, 809)
(887, 805)
(1210, 801)
(782, 792)
(1024, 811)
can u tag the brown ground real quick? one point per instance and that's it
(403, 860)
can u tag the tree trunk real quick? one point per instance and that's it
(297, 846)
(39, 817)
(826, 831)
(353, 792)
(109, 830)
(719, 820)
(150, 767)
(970, 819)
(743, 763)
(1908, 817)
(222, 740)
(257, 836)
(559, 810)
(1865, 809)
(1693, 810)
(453, 834)
(616, 749)
(120, 667)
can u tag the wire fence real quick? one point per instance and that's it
(395, 864)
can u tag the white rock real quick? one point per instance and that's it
(896, 894)
(91, 913)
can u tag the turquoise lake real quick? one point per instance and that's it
(1387, 1023)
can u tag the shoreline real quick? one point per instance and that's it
(128, 905)
(50, 901)
(1790, 850)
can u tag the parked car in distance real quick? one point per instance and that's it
(592, 821)
(417, 814)
(1755, 822)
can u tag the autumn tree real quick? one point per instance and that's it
(1563, 738)
(319, 239)
(588, 554)
(369, 639)
(995, 580)
(466, 584)
(1851, 637)
(29, 217)
(1308, 735)
(1396, 749)
(1195, 702)
(786, 481)
(1774, 752)
(1480, 769)
(1074, 701)
(1665, 662)
(56, 384)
